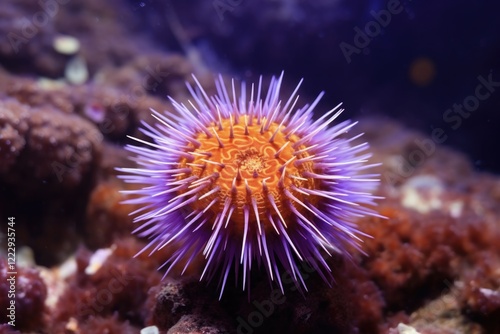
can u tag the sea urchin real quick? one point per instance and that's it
(250, 181)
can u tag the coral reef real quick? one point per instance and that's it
(430, 267)
(435, 255)
(30, 291)
(52, 155)
(61, 150)
(184, 306)
(107, 218)
(107, 289)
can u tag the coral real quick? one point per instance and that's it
(408, 254)
(52, 155)
(112, 156)
(168, 303)
(405, 153)
(30, 295)
(154, 73)
(13, 129)
(70, 147)
(95, 324)
(112, 103)
(107, 220)
(480, 298)
(137, 88)
(192, 324)
(47, 154)
(118, 285)
(186, 306)
(41, 93)
(48, 146)
(443, 315)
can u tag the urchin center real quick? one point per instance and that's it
(251, 161)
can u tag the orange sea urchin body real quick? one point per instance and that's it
(251, 163)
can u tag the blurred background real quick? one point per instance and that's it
(408, 60)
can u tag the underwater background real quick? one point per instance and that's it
(422, 78)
